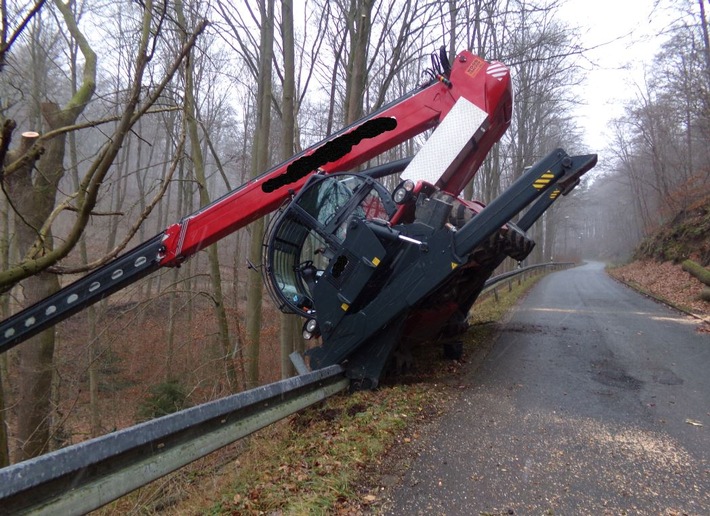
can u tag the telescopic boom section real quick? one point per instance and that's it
(485, 85)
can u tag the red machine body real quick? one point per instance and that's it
(486, 85)
(363, 265)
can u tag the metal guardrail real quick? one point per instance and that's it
(88, 475)
(492, 282)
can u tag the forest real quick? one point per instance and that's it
(119, 118)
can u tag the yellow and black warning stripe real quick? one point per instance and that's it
(555, 193)
(544, 180)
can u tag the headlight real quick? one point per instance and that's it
(403, 191)
(400, 194)
(310, 329)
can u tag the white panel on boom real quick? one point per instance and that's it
(464, 124)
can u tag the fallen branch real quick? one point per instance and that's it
(697, 270)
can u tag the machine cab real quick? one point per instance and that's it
(309, 232)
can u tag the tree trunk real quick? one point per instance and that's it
(199, 169)
(453, 11)
(260, 153)
(35, 198)
(4, 447)
(288, 321)
(35, 373)
(697, 270)
(175, 277)
(356, 79)
(333, 85)
(4, 313)
(706, 39)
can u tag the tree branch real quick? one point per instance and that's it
(90, 185)
(5, 46)
(137, 224)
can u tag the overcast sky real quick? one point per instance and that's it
(626, 33)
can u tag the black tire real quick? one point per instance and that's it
(516, 244)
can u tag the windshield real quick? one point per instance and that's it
(326, 198)
(309, 232)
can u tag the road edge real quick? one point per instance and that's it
(637, 288)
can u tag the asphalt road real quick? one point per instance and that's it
(590, 402)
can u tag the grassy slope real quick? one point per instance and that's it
(332, 457)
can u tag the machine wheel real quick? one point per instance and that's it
(516, 244)
(488, 252)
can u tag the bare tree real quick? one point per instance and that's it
(260, 153)
(288, 322)
(35, 204)
(198, 164)
(33, 200)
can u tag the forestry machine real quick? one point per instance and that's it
(368, 269)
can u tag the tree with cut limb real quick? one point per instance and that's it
(31, 176)
(33, 198)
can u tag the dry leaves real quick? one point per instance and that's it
(667, 281)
